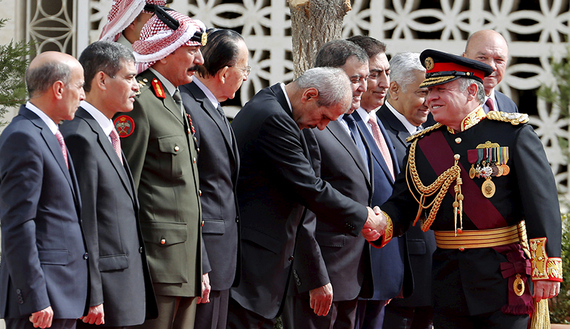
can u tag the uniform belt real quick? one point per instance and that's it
(469, 239)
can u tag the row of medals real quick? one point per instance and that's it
(491, 162)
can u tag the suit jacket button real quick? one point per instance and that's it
(86, 256)
(140, 250)
(291, 258)
(163, 241)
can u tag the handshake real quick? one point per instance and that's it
(375, 224)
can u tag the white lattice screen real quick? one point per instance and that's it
(535, 30)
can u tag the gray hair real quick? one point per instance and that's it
(103, 56)
(332, 83)
(402, 67)
(335, 53)
(41, 78)
(464, 83)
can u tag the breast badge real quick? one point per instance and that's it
(488, 160)
(124, 125)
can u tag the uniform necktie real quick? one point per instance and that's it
(382, 146)
(61, 142)
(116, 143)
(355, 134)
(178, 101)
(490, 104)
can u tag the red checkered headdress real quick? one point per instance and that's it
(122, 14)
(165, 32)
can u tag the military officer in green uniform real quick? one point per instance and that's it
(476, 179)
(157, 138)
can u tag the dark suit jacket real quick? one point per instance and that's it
(276, 183)
(387, 263)
(43, 252)
(218, 165)
(347, 258)
(420, 245)
(504, 103)
(118, 270)
(161, 152)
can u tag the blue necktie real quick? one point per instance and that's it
(355, 134)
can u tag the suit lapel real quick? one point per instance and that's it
(375, 151)
(107, 148)
(338, 132)
(54, 147)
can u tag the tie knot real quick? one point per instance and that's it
(490, 104)
(372, 121)
(176, 96)
(348, 118)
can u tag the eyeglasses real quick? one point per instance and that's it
(246, 70)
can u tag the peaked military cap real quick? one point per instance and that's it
(443, 68)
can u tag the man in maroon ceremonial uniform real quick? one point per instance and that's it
(478, 178)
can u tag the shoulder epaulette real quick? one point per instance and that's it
(513, 118)
(423, 132)
(142, 82)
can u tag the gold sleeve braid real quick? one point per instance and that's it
(389, 232)
(542, 266)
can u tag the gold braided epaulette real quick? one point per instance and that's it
(513, 118)
(423, 132)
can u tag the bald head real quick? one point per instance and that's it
(47, 68)
(55, 84)
(491, 48)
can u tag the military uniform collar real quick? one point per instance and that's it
(473, 118)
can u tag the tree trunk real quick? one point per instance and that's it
(314, 23)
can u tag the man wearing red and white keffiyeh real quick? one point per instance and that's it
(126, 19)
(160, 148)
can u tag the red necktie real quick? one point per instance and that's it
(116, 143)
(61, 142)
(490, 104)
(382, 146)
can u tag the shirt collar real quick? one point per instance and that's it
(409, 127)
(206, 92)
(49, 122)
(105, 123)
(286, 97)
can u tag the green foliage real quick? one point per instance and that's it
(559, 95)
(13, 64)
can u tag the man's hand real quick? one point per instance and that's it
(321, 299)
(205, 290)
(545, 289)
(375, 224)
(96, 315)
(43, 318)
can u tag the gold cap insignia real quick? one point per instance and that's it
(429, 63)
(204, 39)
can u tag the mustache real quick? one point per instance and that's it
(193, 68)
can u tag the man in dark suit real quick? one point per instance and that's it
(388, 266)
(218, 79)
(43, 275)
(121, 291)
(478, 205)
(277, 184)
(490, 47)
(402, 114)
(346, 257)
(161, 150)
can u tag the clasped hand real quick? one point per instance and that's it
(375, 224)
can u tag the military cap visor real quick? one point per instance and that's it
(443, 68)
